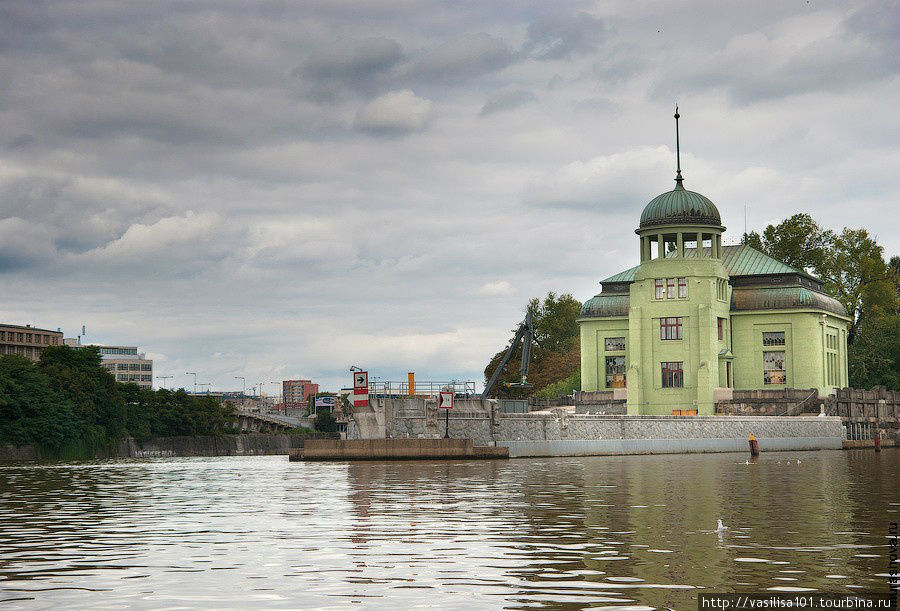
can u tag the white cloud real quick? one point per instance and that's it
(500, 287)
(395, 112)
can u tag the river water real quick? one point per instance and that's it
(618, 532)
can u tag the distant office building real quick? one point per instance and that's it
(124, 362)
(27, 341)
(128, 365)
(296, 393)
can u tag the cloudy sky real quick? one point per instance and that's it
(283, 189)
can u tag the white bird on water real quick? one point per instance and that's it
(798, 461)
(721, 527)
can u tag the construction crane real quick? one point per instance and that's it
(524, 334)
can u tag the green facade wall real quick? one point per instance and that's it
(805, 349)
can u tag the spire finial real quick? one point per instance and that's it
(678, 178)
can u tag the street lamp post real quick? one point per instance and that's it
(163, 378)
(192, 373)
(243, 385)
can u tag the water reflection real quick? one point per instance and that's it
(566, 533)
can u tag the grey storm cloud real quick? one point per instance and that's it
(506, 100)
(810, 53)
(464, 57)
(560, 35)
(285, 189)
(354, 66)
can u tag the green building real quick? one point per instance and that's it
(696, 318)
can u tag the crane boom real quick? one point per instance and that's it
(525, 334)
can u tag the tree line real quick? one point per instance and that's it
(850, 263)
(70, 406)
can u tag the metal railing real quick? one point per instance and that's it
(421, 388)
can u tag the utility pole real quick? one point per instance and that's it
(192, 373)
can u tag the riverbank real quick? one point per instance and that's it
(247, 444)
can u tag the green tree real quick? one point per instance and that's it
(31, 411)
(325, 422)
(77, 374)
(557, 355)
(554, 319)
(856, 274)
(874, 358)
(850, 263)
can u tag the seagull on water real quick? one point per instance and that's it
(721, 527)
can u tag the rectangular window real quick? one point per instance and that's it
(682, 287)
(773, 368)
(721, 328)
(673, 374)
(670, 288)
(670, 328)
(660, 288)
(614, 344)
(773, 338)
(615, 372)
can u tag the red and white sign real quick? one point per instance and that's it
(445, 399)
(361, 382)
(360, 395)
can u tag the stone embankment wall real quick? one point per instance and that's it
(781, 402)
(252, 444)
(585, 434)
(17, 453)
(563, 432)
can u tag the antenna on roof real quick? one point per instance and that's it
(678, 178)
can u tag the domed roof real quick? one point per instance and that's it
(680, 207)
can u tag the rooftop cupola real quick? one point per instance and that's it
(680, 223)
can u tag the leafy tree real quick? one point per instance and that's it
(31, 411)
(78, 375)
(554, 319)
(325, 422)
(850, 263)
(564, 387)
(874, 358)
(557, 355)
(798, 241)
(70, 406)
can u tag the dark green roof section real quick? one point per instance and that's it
(680, 206)
(605, 305)
(739, 260)
(743, 260)
(783, 298)
(626, 276)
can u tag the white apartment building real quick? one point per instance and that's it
(125, 363)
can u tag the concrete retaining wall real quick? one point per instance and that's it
(562, 432)
(252, 444)
(397, 449)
